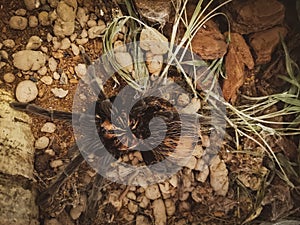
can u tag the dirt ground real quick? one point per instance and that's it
(255, 194)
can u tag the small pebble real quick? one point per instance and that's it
(56, 43)
(82, 16)
(56, 163)
(131, 195)
(191, 163)
(33, 21)
(91, 23)
(84, 33)
(2, 64)
(82, 41)
(47, 80)
(50, 152)
(49, 37)
(80, 70)
(42, 71)
(34, 42)
(63, 79)
(32, 4)
(20, 12)
(96, 31)
(75, 49)
(18, 22)
(44, 49)
(56, 76)
(3, 54)
(1, 45)
(42, 143)
(73, 37)
(65, 44)
(44, 18)
(152, 192)
(9, 77)
(48, 128)
(183, 99)
(9, 43)
(59, 92)
(53, 3)
(76, 212)
(26, 91)
(52, 64)
(132, 207)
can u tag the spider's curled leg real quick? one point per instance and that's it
(52, 114)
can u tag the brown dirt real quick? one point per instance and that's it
(212, 209)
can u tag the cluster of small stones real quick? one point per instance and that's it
(40, 61)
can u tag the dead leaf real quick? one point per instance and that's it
(237, 58)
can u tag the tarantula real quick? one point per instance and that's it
(115, 138)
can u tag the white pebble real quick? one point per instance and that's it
(59, 92)
(52, 64)
(48, 127)
(56, 163)
(75, 49)
(26, 91)
(9, 77)
(42, 143)
(47, 80)
(80, 70)
(56, 76)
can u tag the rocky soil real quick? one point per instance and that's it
(43, 44)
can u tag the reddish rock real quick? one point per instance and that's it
(237, 58)
(255, 15)
(265, 42)
(209, 43)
